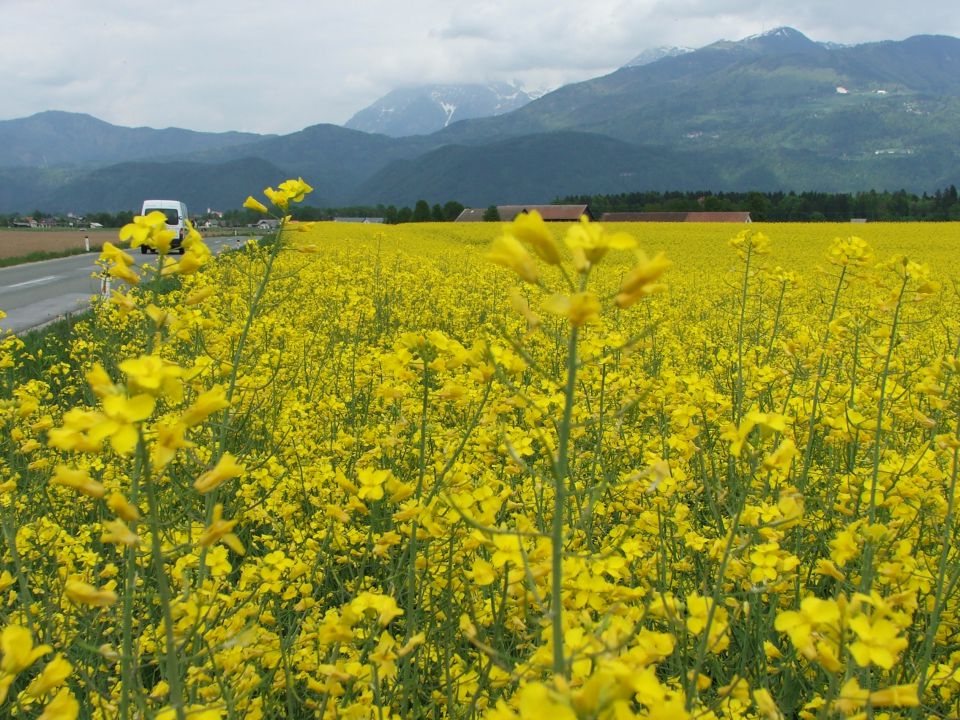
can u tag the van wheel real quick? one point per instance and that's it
(144, 250)
(182, 250)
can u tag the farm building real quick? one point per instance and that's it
(550, 213)
(704, 217)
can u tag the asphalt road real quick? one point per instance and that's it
(34, 294)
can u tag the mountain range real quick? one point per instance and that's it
(425, 109)
(776, 111)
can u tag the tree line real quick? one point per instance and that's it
(872, 205)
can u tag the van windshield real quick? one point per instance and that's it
(172, 216)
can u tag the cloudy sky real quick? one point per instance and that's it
(277, 67)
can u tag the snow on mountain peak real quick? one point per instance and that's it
(652, 55)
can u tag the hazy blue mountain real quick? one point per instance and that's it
(54, 138)
(335, 160)
(200, 185)
(532, 169)
(425, 109)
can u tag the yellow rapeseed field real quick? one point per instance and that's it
(504, 471)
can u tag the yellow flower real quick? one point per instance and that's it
(698, 611)
(850, 251)
(199, 295)
(117, 532)
(122, 272)
(18, 651)
(196, 254)
(781, 458)
(154, 375)
(114, 255)
(593, 242)
(79, 480)
(852, 697)
(896, 696)
(531, 229)
(253, 204)
(85, 594)
(537, 702)
(63, 707)
(800, 626)
(220, 529)
(508, 252)
(750, 242)
(277, 197)
(225, 469)
(170, 438)
(766, 704)
(149, 230)
(123, 302)
(384, 606)
(52, 677)
(122, 508)
(122, 414)
(641, 280)
(481, 572)
(205, 405)
(877, 642)
(100, 382)
(295, 189)
(579, 308)
(371, 483)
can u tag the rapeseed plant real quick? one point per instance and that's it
(364, 472)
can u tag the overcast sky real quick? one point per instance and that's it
(277, 67)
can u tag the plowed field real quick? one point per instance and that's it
(14, 243)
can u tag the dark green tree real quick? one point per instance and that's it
(758, 205)
(421, 211)
(452, 210)
(492, 214)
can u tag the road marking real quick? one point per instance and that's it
(35, 281)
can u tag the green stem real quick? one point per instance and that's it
(210, 500)
(409, 664)
(933, 621)
(866, 575)
(163, 589)
(129, 590)
(738, 390)
(811, 426)
(561, 476)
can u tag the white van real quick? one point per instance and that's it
(176, 213)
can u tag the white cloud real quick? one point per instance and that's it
(238, 65)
